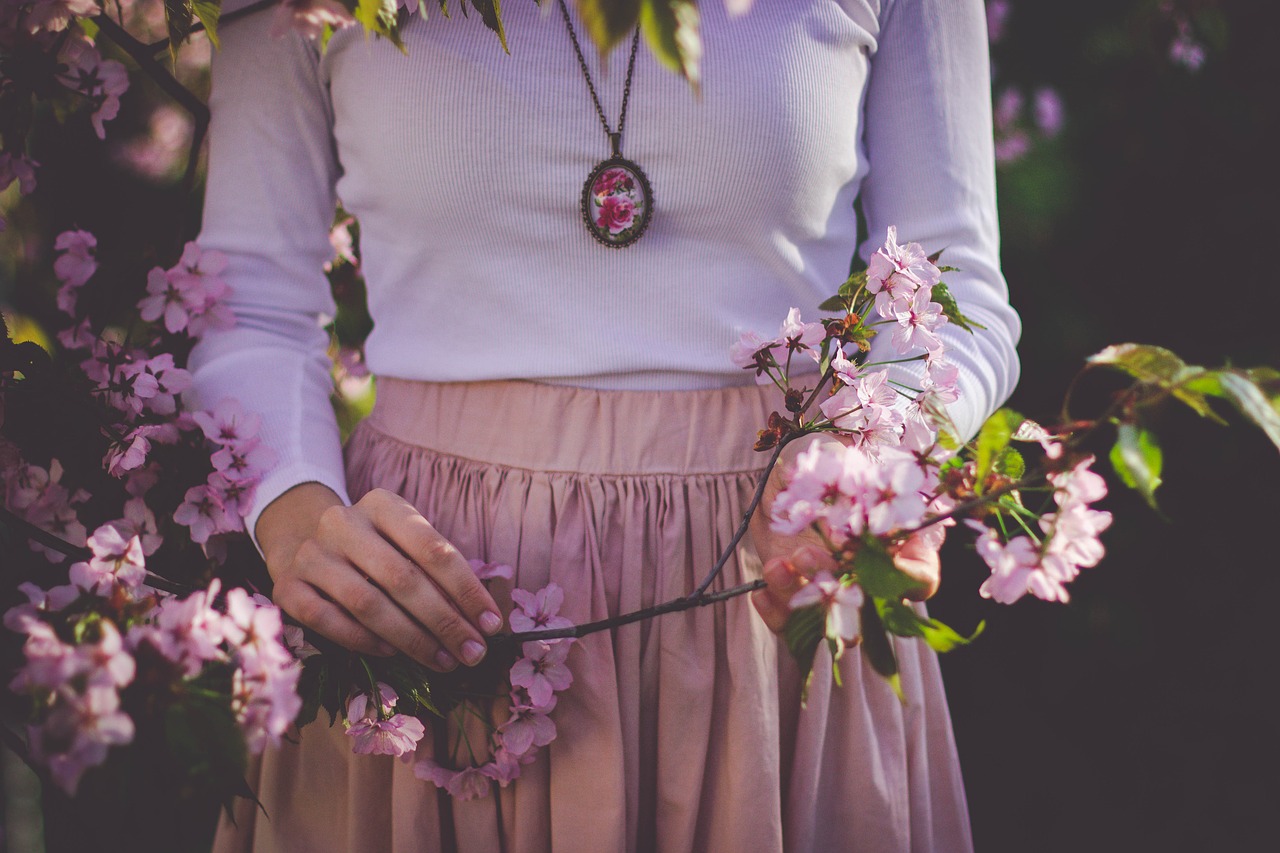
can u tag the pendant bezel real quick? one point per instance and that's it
(633, 233)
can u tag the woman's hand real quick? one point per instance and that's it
(375, 577)
(790, 561)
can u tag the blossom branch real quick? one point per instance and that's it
(675, 605)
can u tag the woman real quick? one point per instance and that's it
(619, 462)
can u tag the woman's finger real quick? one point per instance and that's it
(304, 603)
(403, 525)
(409, 588)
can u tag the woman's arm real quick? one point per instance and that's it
(373, 576)
(928, 139)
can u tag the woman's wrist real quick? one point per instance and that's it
(291, 519)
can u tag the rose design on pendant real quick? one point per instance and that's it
(617, 202)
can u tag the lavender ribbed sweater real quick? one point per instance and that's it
(464, 167)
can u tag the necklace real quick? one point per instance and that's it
(617, 200)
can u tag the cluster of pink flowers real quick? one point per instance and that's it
(1014, 135)
(189, 295)
(535, 679)
(82, 644)
(377, 730)
(754, 351)
(220, 504)
(1069, 542)
(100, 80)
(849, 492)
(37, 495)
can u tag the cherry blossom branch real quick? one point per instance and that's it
(75, 552)
(675, 605)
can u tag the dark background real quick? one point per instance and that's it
(1141, 716)
(1138, 717)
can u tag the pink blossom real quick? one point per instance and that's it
(173, 297)
(537, 611)
(542, 671)
(310, 17)
(77, 733)
(54, 15)
(75, 263)
(254, 627)
(397, 735)
(107, 662)
(469, 783)
(616, 213)
(265, 704)
(489, 571)
(527, 727)
(243, 461)
(228, 423)
(918, 319)
(612, 180)
(1012, 146)
(139, 521)
(202, 511)
(797, 335)
(842, 368)
(116, 562)
(38, 601)
(20, 168)
(130, 453)
(1185, 49)
(236, 498)
(1050, 114)
(50, 663)
(159, 382)
(343, 245)
(896, 272)
(187, 631)
(505, 766)
(101, 81)
(997, 18)
(296, 642)
(840, 602)
(79, 336)
(751, 350)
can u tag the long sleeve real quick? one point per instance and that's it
(928, 138)
(268, 206)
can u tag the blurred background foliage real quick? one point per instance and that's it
(1138, 186)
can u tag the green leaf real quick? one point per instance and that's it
(902, 619)
(802, 634)
(1011, 464)
(834, 303)
(877, 574)
(878, 648)
(89, 27)
(942, 295)
(671, 27)
(380, 17)
(1258, 405)
(855, 282)
(1143, 362)
(993, 438)
(209, 11)
(178, 15)
(491, 14)
(1138, 460)
(608, 22)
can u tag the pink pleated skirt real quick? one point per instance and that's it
(682, 733)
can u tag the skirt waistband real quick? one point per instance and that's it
(536, 426)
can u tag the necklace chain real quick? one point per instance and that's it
(614, 138)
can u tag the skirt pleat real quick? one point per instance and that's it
(679, 733)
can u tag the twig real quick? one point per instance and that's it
(62, 546)
(675, 605)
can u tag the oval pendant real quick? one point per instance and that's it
(617, 202)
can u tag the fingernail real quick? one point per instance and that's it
(490, 622)
(472, 651)
(446, 660)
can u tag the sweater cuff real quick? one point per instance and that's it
(282, 480)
